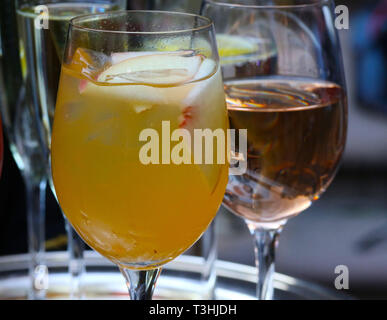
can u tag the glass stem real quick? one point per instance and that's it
(141, 283)
(75, 248)
(36, 212)
(265, 241)
(209, 253)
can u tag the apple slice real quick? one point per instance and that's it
(155, 69)
(142, 78)
(118, 57)
(83, 59)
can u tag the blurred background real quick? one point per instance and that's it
(348, 226)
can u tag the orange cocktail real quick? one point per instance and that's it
(138, 215)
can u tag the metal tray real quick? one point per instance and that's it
(180, 279)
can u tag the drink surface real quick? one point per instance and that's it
(296, 135)
(134, 214)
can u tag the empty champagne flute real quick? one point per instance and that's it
(18, 117)
(135, 86)
(43, 26)
(284, 83)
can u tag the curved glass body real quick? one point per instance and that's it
(284, 83)
(120, 77)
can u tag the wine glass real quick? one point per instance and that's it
(284, 83)
(18, 120)
(135, 87)
(43, 26)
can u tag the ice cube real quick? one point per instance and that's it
(89, 62)
(104, 129)
(72, 111)
(142, 108)
(99, 59)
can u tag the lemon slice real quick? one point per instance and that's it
(232, 45)
(23, 59)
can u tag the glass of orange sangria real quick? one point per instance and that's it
(137, 90)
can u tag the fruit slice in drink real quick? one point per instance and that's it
(245, 56)
(235, 46)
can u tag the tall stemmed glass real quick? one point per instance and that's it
(19, 123)
(135, 87)
(43, 26)
(284, 82)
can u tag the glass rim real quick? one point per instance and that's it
(73, 22)
(315, 3)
